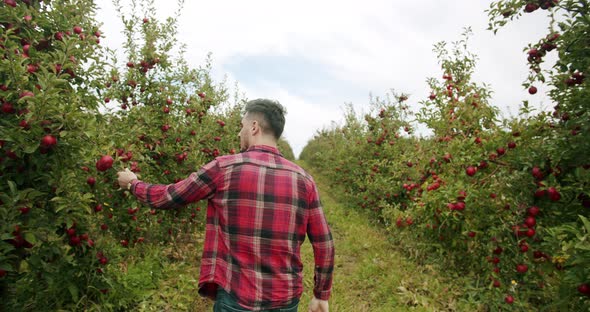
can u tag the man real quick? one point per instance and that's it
(260, 208)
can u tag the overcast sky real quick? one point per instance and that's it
(315, 56)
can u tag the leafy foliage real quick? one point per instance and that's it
(502, 202)
(67, 126)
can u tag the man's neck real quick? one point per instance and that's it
(266, 141)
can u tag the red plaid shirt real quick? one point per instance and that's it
(261, 206)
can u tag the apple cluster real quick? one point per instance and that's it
(543, 4)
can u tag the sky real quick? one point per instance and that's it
(314, 57)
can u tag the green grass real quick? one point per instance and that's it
(371, 274)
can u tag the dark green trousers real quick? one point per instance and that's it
(226, 303)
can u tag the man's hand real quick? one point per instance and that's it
(317, 305)
(125, 177)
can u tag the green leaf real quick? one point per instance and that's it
(56, 198)
(586, 223)
(73, 291)
(60, 208)
(30, 237)
(32, 194)
(582, 246)
(12, 187)
(23, 266)
(30, 149)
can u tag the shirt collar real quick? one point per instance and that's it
(264, 148)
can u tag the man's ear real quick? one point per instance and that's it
(255, 127)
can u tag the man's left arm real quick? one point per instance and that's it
(322, 242)
(197, 186)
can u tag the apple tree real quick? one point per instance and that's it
(50, 58)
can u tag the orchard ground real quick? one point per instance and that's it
(371, 273)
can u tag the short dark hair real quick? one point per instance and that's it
(272, 114)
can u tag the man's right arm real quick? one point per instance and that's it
(197, 186)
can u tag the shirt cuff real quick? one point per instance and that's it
(322, 295)
(132, 184)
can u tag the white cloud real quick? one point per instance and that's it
(303, 117)
(374, 45)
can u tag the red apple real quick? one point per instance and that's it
(75, 241)
(7, 108)
(532, 90)
(48, 141)
(11, 3)
(25, 94)
(31, 68)
(522, 268)
(533, 52)
(540, 193)
(530, 232)
(553, 194)
(447, 157)
(470, 171)
(104, 163)
(533, 211)
(537, 173)
(530, 221)
(460, 206)
(509, 299)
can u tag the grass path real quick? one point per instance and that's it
(371, 274)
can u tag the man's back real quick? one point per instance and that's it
(261, 206)
(256, 222)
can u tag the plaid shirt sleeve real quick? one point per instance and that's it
(320, 237)
(197, 186)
